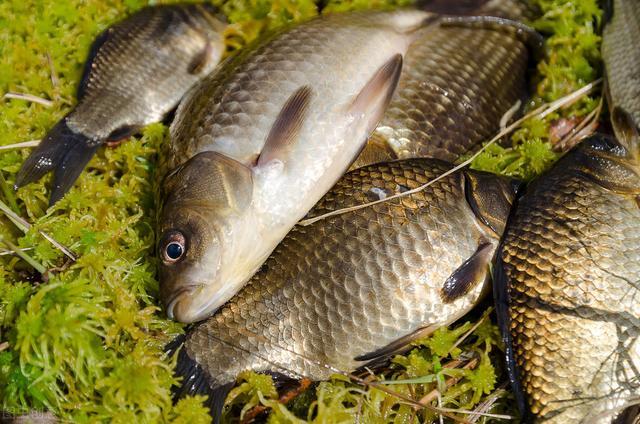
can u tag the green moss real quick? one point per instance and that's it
(571, 60)
(87, 343)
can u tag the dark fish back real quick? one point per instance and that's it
(567, 284)
(456, 85)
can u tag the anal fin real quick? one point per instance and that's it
(397, 346)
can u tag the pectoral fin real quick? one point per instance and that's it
(286, 128)
(625, 129)
(397, 346)
(470, 274)
(201, 60)
(373, 99)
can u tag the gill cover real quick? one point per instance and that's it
(209, 180)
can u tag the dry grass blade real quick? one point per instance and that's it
(471, 330)
(35, 264)
(24, 144)
(488, 403)
(538, 112)
(24, 226)
(585, 128)
(11, 252)
(52, 69)
(28, 98)
(429, 397)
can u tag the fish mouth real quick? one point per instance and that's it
(173, 300)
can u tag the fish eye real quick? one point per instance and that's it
(174, 247)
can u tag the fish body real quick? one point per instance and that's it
(621, 56)
(567, 285)
(457, 83)
(362, 284)
(261, 140)
(568, 272)
(137, 71)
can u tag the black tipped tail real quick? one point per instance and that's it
(63, 151)
(196, 381)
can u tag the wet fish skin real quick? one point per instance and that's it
(456, 84)
(622, 60)
(353, 285)
(137, 71)
(271, 131)
(566, 286)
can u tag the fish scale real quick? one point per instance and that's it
(456, 85)
(350, 284)
(570, 268)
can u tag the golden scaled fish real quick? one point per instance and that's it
(567, 285)
(260, 141)
(460, 76)
(357, 286)
(567, 281)
(137, 71)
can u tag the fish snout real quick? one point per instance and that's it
(179, 305)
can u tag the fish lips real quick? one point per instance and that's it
(172, 304)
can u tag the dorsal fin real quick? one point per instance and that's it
(287, 126)
(529, 36)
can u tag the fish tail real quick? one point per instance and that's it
(63, 151)
(196, 381)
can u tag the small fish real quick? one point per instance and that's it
(567, 281)
(138, 70)
(357, 286)
(457, 81)
(260, 141)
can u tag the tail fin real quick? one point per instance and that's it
(63, 151)
(196, 381)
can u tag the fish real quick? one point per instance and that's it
(567, 277)
(457, 83)
(137, 72)
(622, 62)
(358, 286)
(261, 140)
(567, 284)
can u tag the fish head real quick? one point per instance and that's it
(204, 199)
(491, 198)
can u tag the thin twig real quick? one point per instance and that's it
(576, 134)
(429, 397)
(29, 98)
(471, 330)
(24, 226)
(12, 252)
(35, 264)
(54, 76)
(30, 143)
(540, 111)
